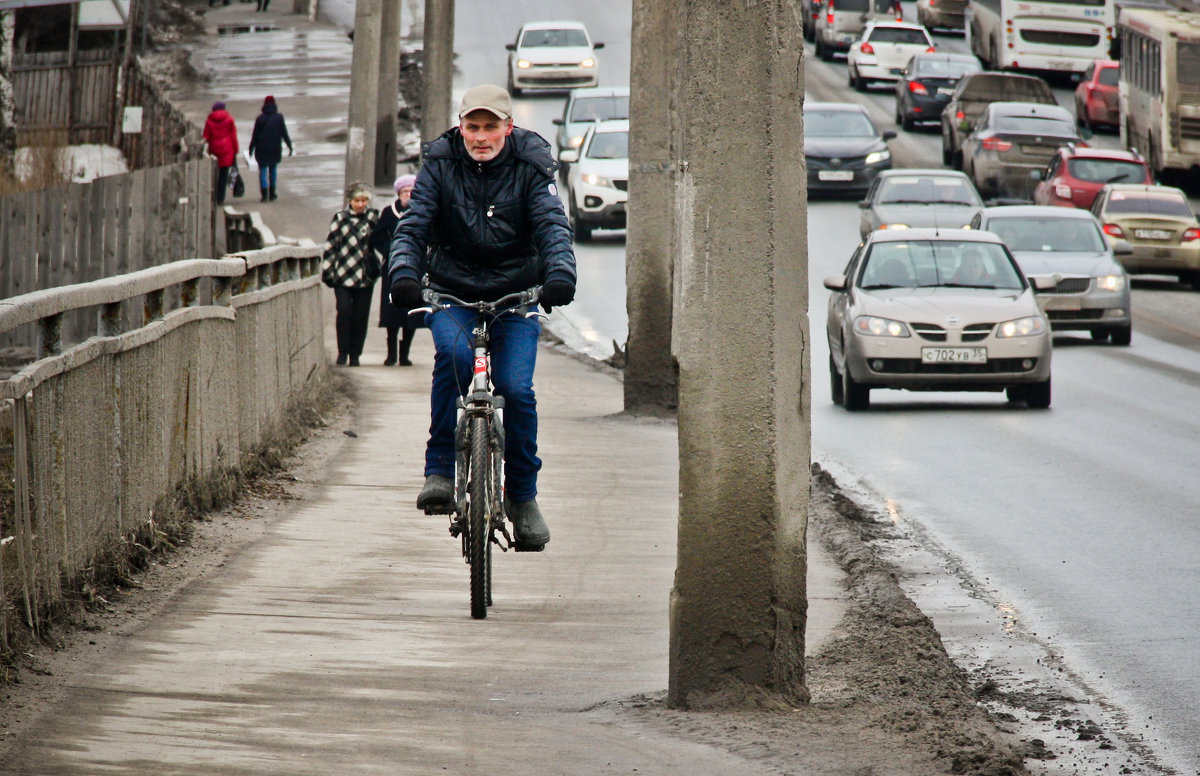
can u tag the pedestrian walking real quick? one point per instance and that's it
(220, 133)
(350, 267)
(485, 220)
(262, 5)
(266, 145)
(391, 318)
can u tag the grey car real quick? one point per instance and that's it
(907, 199)
(1086, 287)
(972, 94)
(585, 107)
(1012, 141)
(935, 310)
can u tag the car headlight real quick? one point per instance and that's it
(1111, 282)
(589, 62)
(575, 141)
(875, 157)
(1021, 327)
(523, 64)
(592, 179)
(880, 327)
(966, 226)
(893, 226)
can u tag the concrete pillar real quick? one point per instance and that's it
(437, 69)
(364, 92)
(650, 379)
(738, 606)
(389, 94)
(8, 127)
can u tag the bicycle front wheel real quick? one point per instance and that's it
(479, 510)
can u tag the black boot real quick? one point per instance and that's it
(391, 345)
(406, 346)
(264, 194)
(273, 197)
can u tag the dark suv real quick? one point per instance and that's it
(971, 97)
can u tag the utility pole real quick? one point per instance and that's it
(364, 92)
(738, 606)
(651, 384)
(437, 71)
(389, 93)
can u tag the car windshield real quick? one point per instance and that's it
(544, 38)
(1106, 170)
(609, 145)
(599, 108)
(941, 68)
(1109, 76)
(1034, 125)
(927, 189)
(837, 123)
(898, 35)
(939, 264)
(1167, 203)
(1047, 234)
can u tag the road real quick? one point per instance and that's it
(1080, 519)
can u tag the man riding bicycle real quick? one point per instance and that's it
(485, 220)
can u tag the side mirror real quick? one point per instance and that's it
(1043, 283)
(1086, 133)
(1035, 175)
(597, 46)
(558, 122)
(510, 46)
(570, 156)
(864, 204)
(1122, 248)
(889, 134)
(836, 282)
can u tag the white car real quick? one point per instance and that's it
(598, 183)
(882, 52)
(552, 55)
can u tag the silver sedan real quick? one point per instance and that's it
(935, 310)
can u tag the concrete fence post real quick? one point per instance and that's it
(738, 605)
(437, 73)
(364, 93)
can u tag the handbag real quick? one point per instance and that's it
(236, 182)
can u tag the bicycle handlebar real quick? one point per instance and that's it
(438, 299)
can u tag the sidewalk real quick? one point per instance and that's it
(342, 643)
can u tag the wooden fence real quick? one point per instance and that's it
(114, 225)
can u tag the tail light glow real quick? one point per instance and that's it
(867, 48)
(995, 144)
(1189, 235)
(916, 87)
(1112, 230)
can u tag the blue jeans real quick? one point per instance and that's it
(263, 170)
(514, 353)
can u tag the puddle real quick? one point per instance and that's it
(245, 29)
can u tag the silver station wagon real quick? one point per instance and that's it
(935, 310)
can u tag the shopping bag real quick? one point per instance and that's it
(236, 182)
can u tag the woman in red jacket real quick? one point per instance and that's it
(221, 134)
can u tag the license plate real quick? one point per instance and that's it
(953, 355)
(835, 175)
(1061, 65)
(1061, 303)
(1152, 234)
(944, 91)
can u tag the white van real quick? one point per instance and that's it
(840, 21)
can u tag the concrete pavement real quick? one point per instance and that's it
(342, 642)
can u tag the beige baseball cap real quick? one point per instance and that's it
(494, 99)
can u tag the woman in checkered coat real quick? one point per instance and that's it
(350, 267)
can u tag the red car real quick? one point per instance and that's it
(1096, 95)
(1076, 175)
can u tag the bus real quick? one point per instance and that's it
(1159, 87)
(1040, 35)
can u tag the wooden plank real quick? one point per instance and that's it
(92, 245)
(125, 198)
(135, 257)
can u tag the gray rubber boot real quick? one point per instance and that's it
(437, 497)
(529, 527)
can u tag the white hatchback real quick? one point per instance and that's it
(552, 55)
(883, 50)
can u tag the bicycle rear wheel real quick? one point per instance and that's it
(479, 509)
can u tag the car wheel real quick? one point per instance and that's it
(513, 91)
(1081, 117)
(835, 382)
(583, 232)
(824, 51)
(907, 122)
(855, 395)
(958, 159)
(1037, 395)
(1193, 280)
(809, 32)
(1122, 336)
(857, 82)
(947, 156)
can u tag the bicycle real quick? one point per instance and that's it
(479, 447)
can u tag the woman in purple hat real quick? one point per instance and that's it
(221, 135)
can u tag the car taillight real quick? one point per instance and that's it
(916, 87)
(867, 48)
(829, 13)
(1189, 235)
(1062, 191)
(930, 50)
(1112, 230)
(959, 116)
(995, 144)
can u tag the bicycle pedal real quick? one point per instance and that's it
(437, 510)
(529, 547)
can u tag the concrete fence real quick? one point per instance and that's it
(105, 429)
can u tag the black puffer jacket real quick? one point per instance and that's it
(492, 227)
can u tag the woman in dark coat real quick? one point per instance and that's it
(221, 135)
(350, 267)
(392, 318)
(266, 145)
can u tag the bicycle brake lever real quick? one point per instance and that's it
(536, 314)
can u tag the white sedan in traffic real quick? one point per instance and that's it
(552, 55)
(883, 50)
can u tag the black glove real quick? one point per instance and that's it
(556, 293)
(406, 294)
